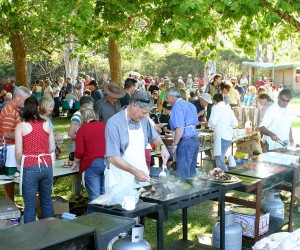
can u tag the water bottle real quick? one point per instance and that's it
(248, 127)
(68, 216)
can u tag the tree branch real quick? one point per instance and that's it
(288, 18)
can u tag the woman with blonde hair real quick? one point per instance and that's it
(48, 91)
(90, 151)
(46, 105)
(251, 95)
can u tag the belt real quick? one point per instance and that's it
(189, 138)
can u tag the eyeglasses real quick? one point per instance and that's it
(143, 100)
(284, 100)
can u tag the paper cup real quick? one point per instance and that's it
(232, 162)
(128, 203)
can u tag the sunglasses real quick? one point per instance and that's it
(143, 100)
(284, 100)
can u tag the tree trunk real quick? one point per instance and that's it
(71, 63)
(29, 70)
(114, 56)
(19, 54)
(210, 70)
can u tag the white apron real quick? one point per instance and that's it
(217, 142)
(40, 160)
(134, 155)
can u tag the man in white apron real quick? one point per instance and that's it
(127, 135)
(277, 121)
(223, 121)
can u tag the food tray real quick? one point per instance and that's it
(232, 180)
(67, 164)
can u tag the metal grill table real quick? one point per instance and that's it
(49, 233)
(142, 209)
(255, 181)
(200, 191)
(107, 226)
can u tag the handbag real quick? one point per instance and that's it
(3, 153)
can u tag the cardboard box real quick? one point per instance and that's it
(246, 147)
(247, 221)
(8, 210)
(60, 206)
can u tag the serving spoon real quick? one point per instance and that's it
(162, 175)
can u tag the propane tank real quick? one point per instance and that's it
(248, 126)
(273, 203)
(233, 233)
(135, 241)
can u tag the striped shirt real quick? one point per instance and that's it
(105, 110)
(9, 119)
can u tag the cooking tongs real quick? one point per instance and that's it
(284, 143)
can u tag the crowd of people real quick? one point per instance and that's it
(111, 133)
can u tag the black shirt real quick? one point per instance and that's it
(152, 88)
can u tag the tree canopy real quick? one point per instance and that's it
(38, 27)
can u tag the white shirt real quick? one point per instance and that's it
(223, 120)
(277, 120)
(244, 81)
(234, 96)
(54, 90)
(47, 91)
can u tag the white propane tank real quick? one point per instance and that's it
(273, 203)
(233, 233)
(134, 242)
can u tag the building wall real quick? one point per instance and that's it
(287, 77)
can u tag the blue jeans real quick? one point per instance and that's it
(35, 180)
(94, 178)
(56, 106)
(220, 160)
(186, 158)
(245, 92)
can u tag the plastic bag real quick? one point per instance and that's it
(116, 195)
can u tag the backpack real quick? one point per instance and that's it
(3, 152)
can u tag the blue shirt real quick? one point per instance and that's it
(184, 114)
(96, 95)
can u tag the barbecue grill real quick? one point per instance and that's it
(183, 193)
(172, 195)
(263, 175)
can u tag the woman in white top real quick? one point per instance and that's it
(48, 91)
(223, 121)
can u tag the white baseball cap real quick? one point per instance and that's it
(206, 97)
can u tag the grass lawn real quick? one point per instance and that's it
(201, 216)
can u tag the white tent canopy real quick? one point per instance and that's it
(271, 66)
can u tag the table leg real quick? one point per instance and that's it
(184, 224)
(222, 217)
(160, 231)
(295, 177)
(142, 219)
(257, 208)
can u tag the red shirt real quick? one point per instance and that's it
(260, 83)
(90, 143)
(35, 143)
(8, 88)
